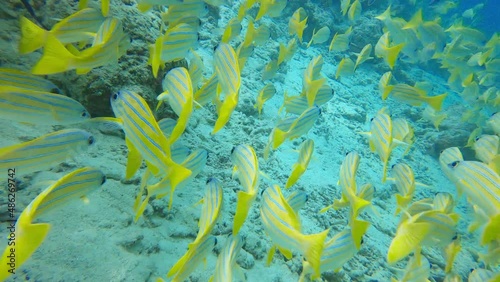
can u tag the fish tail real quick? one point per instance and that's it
(386, 90)
(177, 174)
(490, 231)
(279, 137)
(313, 247)
(314, 87)
(358, 229)
(298, 170)
(155, 55)
(32, 36)
(105, 7)
(402, 202)
(436, 102)
(56, 58)
(141, 208)
(82, 4)
(242, 207)
(358, 204)
(28, 238)
(393, 53)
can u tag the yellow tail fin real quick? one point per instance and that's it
(436, 102)
(279, 137)
(56, 58)
(402, 202)
(298, 170)
(392, 54)
(357, 204)
(358, 229)
(490, 231)
(242, 207)
(33, 37)
(177, 174)
(312, 248)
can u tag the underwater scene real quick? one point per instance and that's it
(250, 140)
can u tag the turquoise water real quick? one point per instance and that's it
(100, 239)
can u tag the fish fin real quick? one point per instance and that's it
(490, 231)
(270, 255)
(494, 164)
(134, 160)
(386, 91)
(436, 102)
(286, 253)
(358, 229)
(278, 137)
(33, 37)
(182, 121)
(105, 7)
(358, 204)
(402, 245)
(313, 247)
(297, 171)
(325, 209)
(178, 174)
(402, 202)
(143, 7)
(393, 53)
(141, 208)
(56, 58)
(242, 207)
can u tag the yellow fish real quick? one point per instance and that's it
(191, 259)
(313, 80)
(305, 153)
(298, 127)
(346, 67)
(415, 96)
(298, 104)
(265, 94)
(226, 262)
(354, 10)
(20, 79)
(44, 108)
(297, 23)
(340, 42)
(486, 148)
(433, 116)
(29, 233)
(45, 151)
(383, 49)
(364, 55)
(383, 85)
(179, 93)
(233, 29)
(246, 166)
(320, 36)
(282, 224)
(77, 27)
(287, 52)
(207, 92)
(404, 179)
(210, 210)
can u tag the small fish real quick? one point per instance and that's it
(233, 30)
(246, 167)
(305, 153)
(354, 10)
(228, 74)
(266, 93)
(262, 35)
(404, 179)
(429, 228)
(282, 224)
(179, 93)
(363, 56)
(45, 151)
(172, 46)
(144, 5)
(482, 186)
(287, 52)
(30, 235)
(210, 209)
(403, 133)
(383, 49)
(270, 70)
(381, 139)
(244, 52)
(25, 80)
(494, 122)
(415, 96)
(184, 9)
(191, 259)
(320, 36)
(344, 6)
(298, 104)
(297, 23)
(337, 251)
(345, 68)
(340, 42)
(226, 262)
(44, 108)
(144, 139)
(300, 126)
(78, 27)
(313, 80)
(109, 44)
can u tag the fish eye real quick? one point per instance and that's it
(199, 21)
(215, 241)
(374, 189)
(115, 96)
(441, 152)
(84, 114)
(472, 269)
(215, 47)
(477, 138)
(455, 237)
(262, 192)
(198, 38)
(430, 265)
(362, 240)
(454, 164)
(347, 153)
(103, 180)
(371, 119)
(91, 140)
(232, 150)
(208, 180)
(393, 166)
